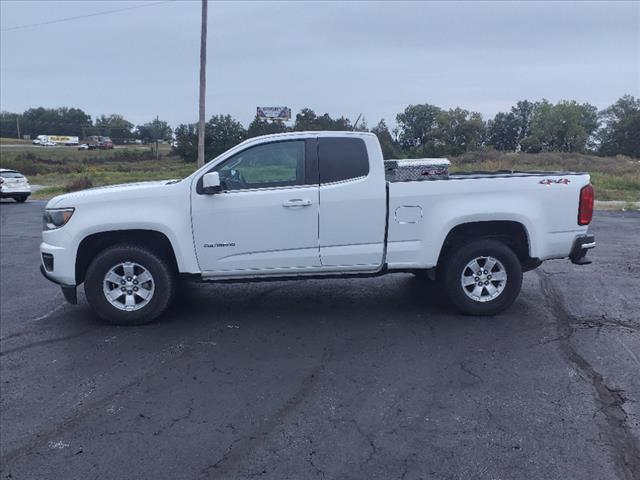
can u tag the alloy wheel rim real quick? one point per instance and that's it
(483, 279)
(128, 286)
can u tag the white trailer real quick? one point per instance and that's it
(65, 139)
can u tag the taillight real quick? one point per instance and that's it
(585, 208)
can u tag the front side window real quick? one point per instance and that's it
(270, 165)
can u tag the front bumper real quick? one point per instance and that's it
(69, 292)
(580, 248)
(59, 262)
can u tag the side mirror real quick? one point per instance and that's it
(211, 183)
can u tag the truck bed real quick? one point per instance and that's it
(544, 202)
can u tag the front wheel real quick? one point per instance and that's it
(129, 285)
(483, 277)
(21, 199)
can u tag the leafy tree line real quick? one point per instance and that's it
(428, 131)
(223, 131)
(75, 122)
(422, 130)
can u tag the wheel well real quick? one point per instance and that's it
(94, 244)
(512, 234)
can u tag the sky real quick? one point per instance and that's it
(344, 58)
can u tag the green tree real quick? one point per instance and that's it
(221, 133)
(417, 129)
(55, 121)
(565, 127)
(187, 141)
(458, 131)
(388, 145)
(523, 113)
(502, 131)
(260, 126)
(9, 124)
(154, 130)
(307, 120)
(114, 126)
(620, 133)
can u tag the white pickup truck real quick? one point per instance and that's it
(312, 205)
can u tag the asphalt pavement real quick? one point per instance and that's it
(325, 379)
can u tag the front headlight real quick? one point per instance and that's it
(56, 217)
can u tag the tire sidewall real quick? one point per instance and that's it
(458, 260)
(164, 285)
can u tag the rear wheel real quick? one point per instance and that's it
(21, 199)
(129, 285)
(483, 277)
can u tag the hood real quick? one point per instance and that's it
(131, 190)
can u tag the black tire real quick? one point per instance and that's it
(21, 199)
(455, 265)
(164, 279)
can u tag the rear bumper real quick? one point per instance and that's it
(14, 193)
(580, 248)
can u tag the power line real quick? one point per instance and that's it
(67, 19)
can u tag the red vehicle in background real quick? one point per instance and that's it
(97, 142)
(105, 143)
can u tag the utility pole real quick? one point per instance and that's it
(18, 125)
(157, 134)
(203, 79)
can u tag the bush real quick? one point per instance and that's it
(80, 183)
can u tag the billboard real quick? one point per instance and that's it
(280, 113)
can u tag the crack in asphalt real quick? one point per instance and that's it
(372, 445)
(405, 465)
(32, 330)
(317, 469)
(235, 454)
(48, 341)
(625, 447)
(603, 322)
(468, 371)
(42, 437)
(174, 420)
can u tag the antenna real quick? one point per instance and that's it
(357, 120)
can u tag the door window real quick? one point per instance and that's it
(263, 166)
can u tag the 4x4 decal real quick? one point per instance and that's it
(549, 181)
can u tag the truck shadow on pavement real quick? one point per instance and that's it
(399, 296)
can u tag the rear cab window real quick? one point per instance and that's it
(341, 159)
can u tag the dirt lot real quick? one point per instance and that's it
(348, 379)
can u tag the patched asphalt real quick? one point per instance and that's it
(346, 379)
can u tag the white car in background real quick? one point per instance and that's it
(14, 185)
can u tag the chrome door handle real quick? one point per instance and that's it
(296, 202)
